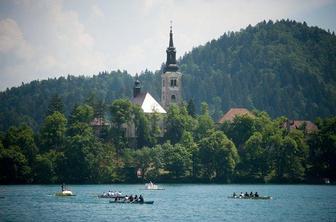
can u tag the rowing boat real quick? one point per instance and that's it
(252, 198)
(126, 202)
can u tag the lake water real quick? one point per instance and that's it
(178, 202)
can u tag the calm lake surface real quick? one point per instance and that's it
(178, 202)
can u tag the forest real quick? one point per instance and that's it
(250, 149)
(285, 68)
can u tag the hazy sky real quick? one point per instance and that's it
(41, 38)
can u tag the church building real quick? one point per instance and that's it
(171, 77)
(145, 100)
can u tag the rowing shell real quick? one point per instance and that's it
(124, 202)
(252, 198)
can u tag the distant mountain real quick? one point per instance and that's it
(285, 68)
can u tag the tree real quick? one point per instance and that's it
(178, 121)
(240, 130)
(47, 167)
(322, 154)
(142, 128)
(255, 163)
(205, 123)
(121, 118)
(14, 166)
(53, 132)
(177, 160)
(121, 112)
(143, 160)
(23, 137)
(191, 108)
(219, 157)
(156, 124)
(55, 105)
(82, 113)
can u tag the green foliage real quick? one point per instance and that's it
(240, 130)
(284, 68)
(22, 137)
(29, 103)
(322, 155)
(178, 122)
(82, 113)
(218, 156)
(200, 150)
(47, 167)
(142, 127)
(121, 117)
(191, 108)
(14, 166)
(177, 160)
(205, 123)
(55, 105)
(121, 112)
(53, 132)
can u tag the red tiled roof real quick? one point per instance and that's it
(233, 112)
(297, 124)
(99, 122)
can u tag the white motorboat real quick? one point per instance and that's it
(152, 186)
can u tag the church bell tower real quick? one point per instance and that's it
(171, 77)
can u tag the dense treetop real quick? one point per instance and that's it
(283, 67)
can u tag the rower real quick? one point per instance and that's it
(251, 194)
(246, 194)
(256, 194)
(234, 194)
(141, 199)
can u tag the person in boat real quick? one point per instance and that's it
(246, 194)
(141, 199)
(62, 187)
(251, 194)
(131, 198)
(256, 194)
(241, 194)
(234, 194)
(136, 198)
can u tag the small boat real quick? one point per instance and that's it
(152, 186)
(252, 198)
(65, 192)
(135, 202)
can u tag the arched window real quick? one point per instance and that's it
(173, 98)
(173, 82)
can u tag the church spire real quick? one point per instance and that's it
(171, 65)
(136, 87)
(171, 43)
